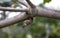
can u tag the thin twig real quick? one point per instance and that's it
(23, 3)
(13, 9)
(31, 5)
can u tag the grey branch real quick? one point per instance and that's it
(47, 13)
(10, 21)
(37, 11)
(13, 9)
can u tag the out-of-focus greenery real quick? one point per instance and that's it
(46, 1)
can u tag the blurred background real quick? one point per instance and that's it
(41, 27)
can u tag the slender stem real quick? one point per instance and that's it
(22, 3)
(31, 5)
(13, 9)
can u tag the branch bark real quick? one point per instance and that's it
(14, 9)
(39, 11)
(47, 13)
(10, 21)
(34, 11)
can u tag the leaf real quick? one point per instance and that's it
(6, 35)
(46, 1)
(41, 5)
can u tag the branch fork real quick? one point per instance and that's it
(31, 10)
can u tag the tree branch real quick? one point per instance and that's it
(31, 5)
(38, 11)
(47, 13)
(23, 3)
(10, 21)
(13, 9)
